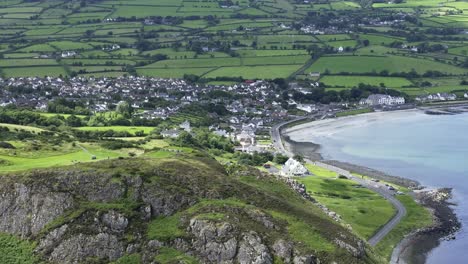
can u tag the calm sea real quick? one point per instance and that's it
(430, 149)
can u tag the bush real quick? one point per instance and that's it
(6, 145)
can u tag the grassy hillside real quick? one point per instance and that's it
(197, 188)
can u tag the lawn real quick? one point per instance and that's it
(354, 112)
(363, 209)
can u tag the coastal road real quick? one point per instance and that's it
(381, 189)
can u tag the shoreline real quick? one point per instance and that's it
(414, 247)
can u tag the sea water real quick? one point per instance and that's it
(430, 149)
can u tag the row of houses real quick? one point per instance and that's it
(436, 97)
(382, 99)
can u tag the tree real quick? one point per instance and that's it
(299, 158)
(124, 108)
(280, 159)
(185, 139)
(73, 121)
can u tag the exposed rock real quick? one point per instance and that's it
(80, 247)
(215, 243)
(50, 240)
(252, 251)
(155, 244)
(25, 210)
(310, 259)
(259, 216)
(115, 221)
(284, 250)
(357, 251)
(165, 203)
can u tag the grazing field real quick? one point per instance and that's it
(392, 64)
(252, 72)
(113, 38)
(353, 81)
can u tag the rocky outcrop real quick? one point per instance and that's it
(78, 248)
(99, 214)
(357, 251)
(214, 242)
(284, 250)
(165, 204)
(25, 210)
(252, 250)
(115, 221)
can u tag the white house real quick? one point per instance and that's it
(170, 133)
(309, 108)
(293, 168)
(66, 54)
(186, 126)
(437, 97)
(382, 99)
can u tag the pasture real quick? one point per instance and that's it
(250, 41)
(353, 81)
(392, 64)
(365, 210)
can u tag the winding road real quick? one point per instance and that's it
(379, 188)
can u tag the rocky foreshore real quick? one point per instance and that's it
(414, 248)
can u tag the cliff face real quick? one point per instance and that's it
(185, 209)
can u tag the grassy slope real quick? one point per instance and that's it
(365, 210)
(16, 251)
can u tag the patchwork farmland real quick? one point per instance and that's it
(225, 41)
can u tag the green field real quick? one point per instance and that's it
(128, 129)
(353, 81)
(243, 38)
(365, 210)
(393, 64)
(252, 72)
(20, 127)
(79, 155)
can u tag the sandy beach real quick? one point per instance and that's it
(327, 127)
(414, 248)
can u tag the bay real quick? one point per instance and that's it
(430, 149)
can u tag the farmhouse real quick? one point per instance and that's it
(293, 168)
(67, 54)
(382, 99)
